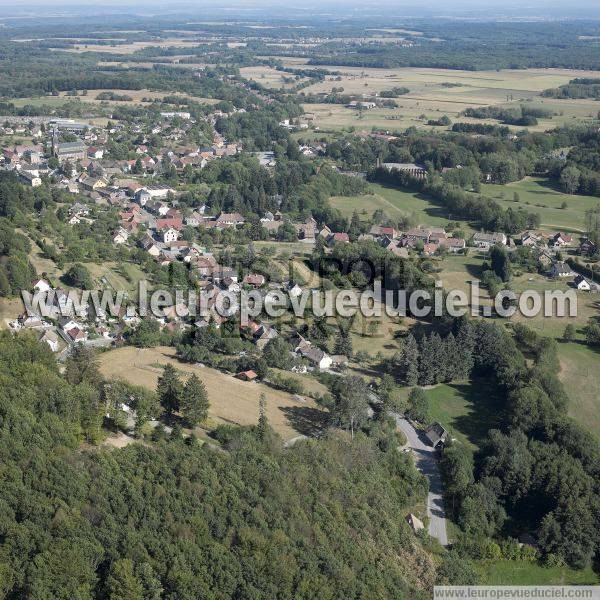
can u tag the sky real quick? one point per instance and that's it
(484, 8)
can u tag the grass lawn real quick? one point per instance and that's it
(581, 378)
(516, 572)
(383, 338)
(588, 306)
(396, 204)
(468, 409)
(122, 276)
(231, 400)
(539, 195)
(460, 269)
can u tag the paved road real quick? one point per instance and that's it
(426, 462)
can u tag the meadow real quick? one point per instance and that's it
(269, 77)
(581, 378)
(468, 409)
(539, 195)
(397, 205)
(517, 572)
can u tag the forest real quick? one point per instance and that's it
(179, 519)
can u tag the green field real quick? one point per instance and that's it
(539, 195)
(516, 572)
(588, 306)
(468, 409)
(581, 378)
(396, 204)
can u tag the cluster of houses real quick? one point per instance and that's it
(547, 255)
(83, 165)
(68, 324)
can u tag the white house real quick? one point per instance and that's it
(170, 235)
(42, 286)
(294, 291)
(318, 357)
(31, 178)
(120, 236)
(51, 339)
(581, 283)
(155, 192)
(315, 355)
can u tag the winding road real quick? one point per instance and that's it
(426, 462)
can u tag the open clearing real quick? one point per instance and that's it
(269, 77)
(517, 572)
(10, 309)
(137, 96)
(539, 195)
(467, 408)
(397, 205)
(581, 378)
(130, 48)
(231, 400)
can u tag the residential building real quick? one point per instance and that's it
(560, 269)
(484, 241)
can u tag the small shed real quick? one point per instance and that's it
(247, 375)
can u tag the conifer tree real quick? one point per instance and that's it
(169, 389)
(194, 401)
(409, 362)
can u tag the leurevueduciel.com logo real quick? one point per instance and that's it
(273, 302)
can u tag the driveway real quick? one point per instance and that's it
(426, 462)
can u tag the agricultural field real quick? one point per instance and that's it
(437, 92)
(581, 378)
(137, 96)
(587, 305)
(538, 195)
(231, 400)
(130, 48)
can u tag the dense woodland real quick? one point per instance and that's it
(177, 519)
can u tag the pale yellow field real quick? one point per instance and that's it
(174, 62)
(10, 309)
(231, 400)
(430, 97)
(137, 96)
(268, 77)
(133, 46)
(528, 81)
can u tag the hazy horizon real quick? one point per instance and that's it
(433, 8)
